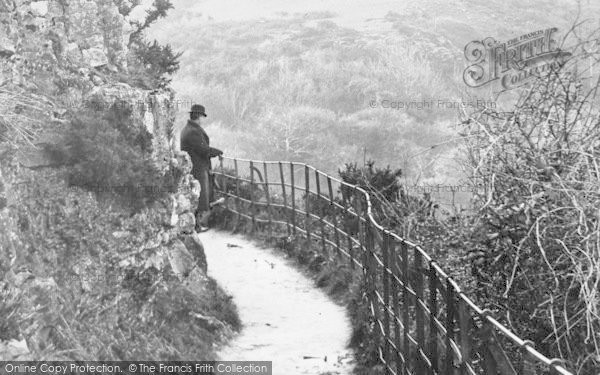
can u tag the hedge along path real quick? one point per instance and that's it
(285, 318)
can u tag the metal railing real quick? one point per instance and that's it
(425, 324)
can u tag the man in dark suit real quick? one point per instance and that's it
(196, 143)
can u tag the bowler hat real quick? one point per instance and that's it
(197, 108)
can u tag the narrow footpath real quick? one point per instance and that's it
(285, 318)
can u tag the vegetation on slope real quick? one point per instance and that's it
(85, 270)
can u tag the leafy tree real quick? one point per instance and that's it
(159, 10)
(153, 60)
(125, 6)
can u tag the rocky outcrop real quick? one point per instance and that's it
(69, 53)
(194, 246)
(46, 35)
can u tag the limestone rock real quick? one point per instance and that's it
(116, 34)
(195, 188)
(156, 258)
(94, 57)
(121, 234)
(182, 262)
(97, 80)
(7, 47)
(82, 18)
(39, 8)
(165, 237)
(183, 161)
(73, 53)
(183, 204)
(194, 245)
(6, 5)
(14, 350)
(198, 282)
(170, 217)
(151, 112)
(186, 223)
(209, 322)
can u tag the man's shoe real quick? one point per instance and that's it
(201, 229)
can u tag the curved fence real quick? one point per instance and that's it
(423, 321)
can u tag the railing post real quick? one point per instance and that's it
(282, 179)
(334, 217)
(268, 197)
(528, 364)
(323, 243)
(400, 366)
(252, 197)
(293, 197)
(418, 267)
(361, 232)
(347, 228)
(223, 178)
(450, 308)
(237, 194)
(489, 363)
(433, 353)
(307, 202)
(465, 323)
(405, 304)
(386, 300)
(370, 267)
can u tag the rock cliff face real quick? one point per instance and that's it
(41, 36)
(47, 45)
(63, 55)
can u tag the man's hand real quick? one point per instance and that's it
(214, 152)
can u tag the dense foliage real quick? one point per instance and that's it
(110, 154)
(538, 260)
(153, 63)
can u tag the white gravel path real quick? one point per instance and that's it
(285, 318)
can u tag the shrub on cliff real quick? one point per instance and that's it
(382, 186)
(109, 154)
(125, 6)
(158, 62)
(152, 63)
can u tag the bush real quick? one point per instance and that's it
(539, 220)
(152, 62)
(157, 62)
(109, 154)
(125, 6)
(382, 186)
(382, 182)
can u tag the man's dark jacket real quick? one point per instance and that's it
(196, 143)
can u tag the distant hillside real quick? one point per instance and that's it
(282, 83)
